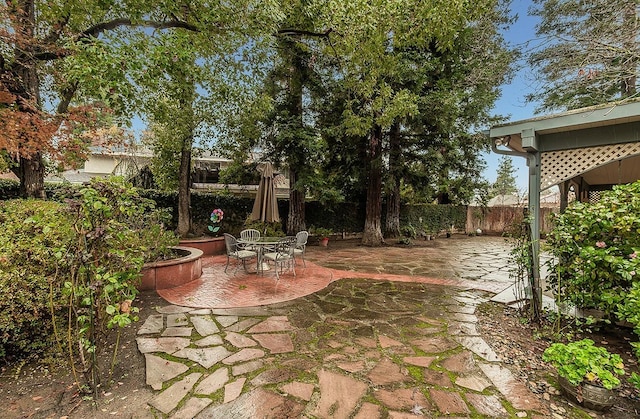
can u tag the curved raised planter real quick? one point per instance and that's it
(173, 272)
(209, 245)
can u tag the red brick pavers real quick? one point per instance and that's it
(426, 264)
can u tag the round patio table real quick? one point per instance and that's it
(260, 245)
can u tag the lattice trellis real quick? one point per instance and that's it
(558, 166)
(594, 196)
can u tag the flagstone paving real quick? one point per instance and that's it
(359, 348)
(359, 333)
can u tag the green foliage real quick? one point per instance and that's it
(629, 309)
(320, 232)
(573, 71)
(32, 234)
(9, 189)
(76, 266)
(505, 183)
(409, 231)
(582, 361)
(432, 218)
(595, 249)
(104, 266)
(265, 228)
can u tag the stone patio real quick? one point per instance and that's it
(394, 337)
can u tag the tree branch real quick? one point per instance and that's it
(56, 30)
(97, 29)
(299, 32)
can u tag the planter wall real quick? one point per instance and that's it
(174, 272)
(209, 245)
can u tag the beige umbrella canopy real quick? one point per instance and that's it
(265, 207)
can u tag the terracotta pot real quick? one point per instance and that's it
(590, 396)
(324, 241)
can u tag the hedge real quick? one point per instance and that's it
(339, 217)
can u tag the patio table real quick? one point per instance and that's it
(260, 245)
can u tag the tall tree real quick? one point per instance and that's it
(172, 111)
(184, 94)
(589, 53)
(292, 140)
(284, 108)
(505, 183)
(435, 151)
(78, 51)
(369, 36)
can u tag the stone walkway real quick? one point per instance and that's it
(357, 348)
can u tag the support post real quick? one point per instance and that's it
(534, 161)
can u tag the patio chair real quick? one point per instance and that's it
(282, 255)
(301, 245)
(250, 234)
(236, 252)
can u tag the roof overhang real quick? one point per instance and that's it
(600, 143)
(613, 123)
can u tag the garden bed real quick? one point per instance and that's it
(172, 272)
(209, 245)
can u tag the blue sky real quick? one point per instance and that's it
(512, 103)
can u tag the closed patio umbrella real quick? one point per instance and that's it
(265, 207)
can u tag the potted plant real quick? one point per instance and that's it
(587, 373)
(323, 235)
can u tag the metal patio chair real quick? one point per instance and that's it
(250, 234)
(282, 255)
(301, 245)
(234, 251)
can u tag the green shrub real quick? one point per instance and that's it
(32, 233)
(86, 254)
(114, 228)
(9, 189)
(433, 218)
(595, 248)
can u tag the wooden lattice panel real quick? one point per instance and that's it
(594, 196)
(558, 166)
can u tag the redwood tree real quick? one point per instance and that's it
(368, 37)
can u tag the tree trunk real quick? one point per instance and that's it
(372, 235)
(296, 157)
(184, 190)
(296, 219)
(392, 222)
(31, 168)
(31, 174)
